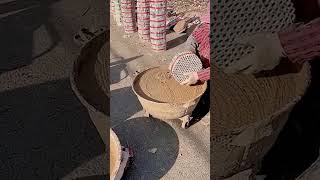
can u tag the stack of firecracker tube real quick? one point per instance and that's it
(147, 17)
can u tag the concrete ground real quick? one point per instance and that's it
(162, 150)
(45, 132)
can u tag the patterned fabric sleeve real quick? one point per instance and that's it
(301, 43)
(204, 75)
(202, 36)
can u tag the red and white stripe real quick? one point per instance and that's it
(128, 16)
(112, 8)
(158, 14)
(303, 42)
(117, 12)
(204, 74)
(143, 19)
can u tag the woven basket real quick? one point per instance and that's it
(102, 70)
(248, 114)
(86, 87)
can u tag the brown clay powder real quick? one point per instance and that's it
(158, 85)
(239, 100)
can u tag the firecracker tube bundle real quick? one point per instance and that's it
(128, 16)
(143, 19)
(158, 25)
(117, 12)
(112, 9)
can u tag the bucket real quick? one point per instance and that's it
(86, 87)
(248, 114)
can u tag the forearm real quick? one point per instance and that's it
(204, 75)
(301, 43)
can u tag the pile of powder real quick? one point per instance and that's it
(239, 100)
(158, 85)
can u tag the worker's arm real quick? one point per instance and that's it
(204, 75)
(298, 43)
(194, 77)
(301, 43)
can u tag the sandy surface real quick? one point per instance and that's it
(188, 8)
(158, 85)
(253, 99)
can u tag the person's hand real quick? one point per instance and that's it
(192, 79)
(170, 65)
(266, 55)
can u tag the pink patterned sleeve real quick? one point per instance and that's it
(301, 43)
(204, 75)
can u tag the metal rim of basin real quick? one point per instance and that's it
(75, 72)
(154, 102)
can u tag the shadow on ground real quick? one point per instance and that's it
(202, 108)
(120, 60)
(18, 21)
(177, 41)
(119, 73)
(143, 134)
(98, 177)
(118, 68)
(298, 144)
(124, 104)
(45, 132)
(181, 38)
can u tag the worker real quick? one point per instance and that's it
(297, 43)
(199, 43)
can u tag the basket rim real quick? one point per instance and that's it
(75, 71)
(114, 137)
(164, 103)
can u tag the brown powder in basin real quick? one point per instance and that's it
(158, 85)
